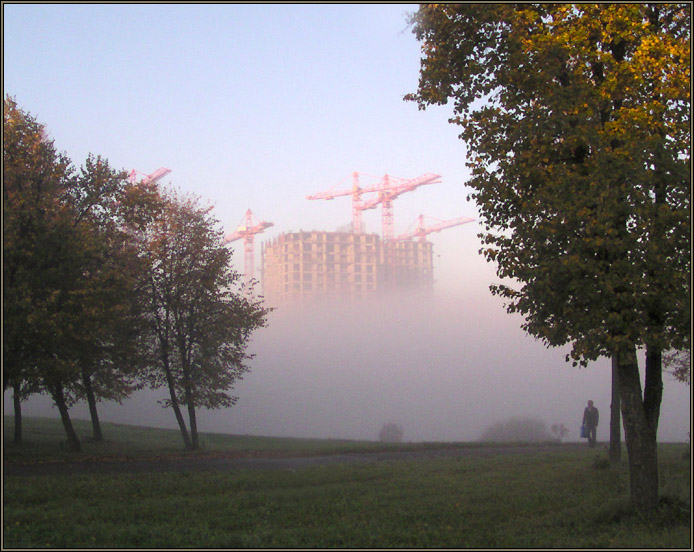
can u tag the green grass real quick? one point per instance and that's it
(44, 438)
(568, 499)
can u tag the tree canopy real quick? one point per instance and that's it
(110, 284)
(576, 118)
(198, 325)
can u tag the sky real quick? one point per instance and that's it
(256, 106)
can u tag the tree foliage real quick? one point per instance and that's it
(391, 433)
(109, 358)
(198, 325)
(580, 160)
(44, 256)
(679, 365)
(34, 178)
(68, 273)
(109, 285)
(576, 119)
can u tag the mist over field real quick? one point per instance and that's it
(444, 368)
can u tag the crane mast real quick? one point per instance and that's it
(247, 230)
(355, 191)
(391, 188)
(386, 190)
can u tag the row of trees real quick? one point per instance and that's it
(110, 286)
(576, 118)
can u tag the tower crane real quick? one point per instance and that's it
(247, 230)
(389, 189)
(421, 231)
(160, 173)
(386, 190)
(355, 191)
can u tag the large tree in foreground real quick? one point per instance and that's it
(43, 259)
(199, 325)
(108, 353)
(66, 279)
(577, 122)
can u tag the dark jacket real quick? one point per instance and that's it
(591, 416)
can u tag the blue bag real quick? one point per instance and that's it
(584, 433)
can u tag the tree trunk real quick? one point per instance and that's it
(73, 441)
(176, 407)
(653, 393)
(639, 435)
(179, 417)
(190, 401)
(91, 401)
(615, 453)
(16, 388)
(193, 426)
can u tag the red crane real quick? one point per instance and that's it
(421, 231)
(355, 191)
(247, 230)
(387, 189)
(160, 173)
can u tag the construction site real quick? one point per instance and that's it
(349, 264)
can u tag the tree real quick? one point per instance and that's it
(577, 122)
(41, 264)
(391, 433)
(109, 354)
(199, 327)
(559, 431)
(525, 430)
(66, 283)
(19, 132)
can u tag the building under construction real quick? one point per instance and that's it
(315, 266)
(350, 265)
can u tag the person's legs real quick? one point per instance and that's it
(592, 436)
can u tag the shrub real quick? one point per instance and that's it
(517, 430)
(391, 433)
(559, 431)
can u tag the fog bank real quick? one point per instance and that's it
(444, 369)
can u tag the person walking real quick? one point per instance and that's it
(591, 417)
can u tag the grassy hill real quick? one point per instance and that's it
(44, 438)
(569, 497)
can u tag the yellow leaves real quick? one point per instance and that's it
(570, 260)
(588, 95)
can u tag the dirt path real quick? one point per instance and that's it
(228, 463)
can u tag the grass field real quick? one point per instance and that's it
(565, 499)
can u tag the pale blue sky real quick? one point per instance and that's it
(250, 106)
(257, 106)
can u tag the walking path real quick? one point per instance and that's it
(217, 463)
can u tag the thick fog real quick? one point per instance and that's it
(444, 368)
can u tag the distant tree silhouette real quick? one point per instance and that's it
(391, 433)
(559, 431)
(517, 430)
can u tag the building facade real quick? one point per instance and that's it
(317, 266)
